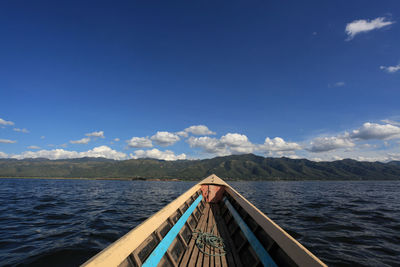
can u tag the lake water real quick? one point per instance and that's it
(65, 222)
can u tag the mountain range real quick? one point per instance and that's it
(234, 167)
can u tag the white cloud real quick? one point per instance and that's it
(231, 143)
(4, 122)
(376, 131)
(199, 130)
(381, 158)
(33, 147)
(182, 134)
(390, 69)
(392, 122)
(157, 154)
(209, 145)
(116, 139)
(237, 143)
(3, 155)
(101, 151)
(323, 144)
(234, 143)
(362, 25)
(234, 139)
(21, 130)
(50, 154)
(85, 141)
(7, 141)
(139, 142)
(278, 144)
(96, 134)
(165, 138)
(104, 152)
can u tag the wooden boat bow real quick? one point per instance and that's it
(211, 206)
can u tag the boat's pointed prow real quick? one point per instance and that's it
(213, 179)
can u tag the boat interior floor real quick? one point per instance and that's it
(211, 221)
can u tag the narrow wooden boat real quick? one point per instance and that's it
(211, 224)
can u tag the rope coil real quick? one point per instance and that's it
(204, 240)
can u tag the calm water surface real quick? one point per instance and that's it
(65, 222)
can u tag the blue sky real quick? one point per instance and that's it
(315, 79)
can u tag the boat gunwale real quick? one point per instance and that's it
(294, 249)
(120, 249)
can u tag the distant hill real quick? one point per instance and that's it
(243, 167)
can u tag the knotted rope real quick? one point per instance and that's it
(204, 240)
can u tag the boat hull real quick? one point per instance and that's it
(210, 207)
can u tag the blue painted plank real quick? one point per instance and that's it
(163, 246)
(262, 254)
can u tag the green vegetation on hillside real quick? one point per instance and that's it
(244, 167)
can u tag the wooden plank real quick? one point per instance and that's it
(192, 243)
(210, 222)
(118, 251)
(219, 261)
(200, 255)
(232, 256)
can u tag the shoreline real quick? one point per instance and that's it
(194, 180)
(99, 178)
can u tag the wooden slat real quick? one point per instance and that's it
(192, 243)
(197, 253)
(221, 260)
(232, 256)
(207, 260)
(117, 252)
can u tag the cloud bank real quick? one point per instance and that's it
(235, 143)
(376, 131)
(97, 152)
(370, 141)
(323, 144)
(157, 154)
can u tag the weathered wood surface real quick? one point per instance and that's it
(118, 251)
(209, 221)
